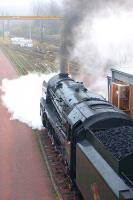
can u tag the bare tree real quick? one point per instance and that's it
(48, 8)
(40, 8)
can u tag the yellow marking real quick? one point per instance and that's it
(31, 17)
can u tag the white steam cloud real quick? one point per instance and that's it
(22, 98)
(102, 40)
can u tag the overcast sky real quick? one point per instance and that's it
(16, 7)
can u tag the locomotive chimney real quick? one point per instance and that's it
(63, 75)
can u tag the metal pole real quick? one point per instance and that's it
(3, 29)
(30, 30)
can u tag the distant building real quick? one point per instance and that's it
(120, 89)
(26, 43)
(16, 40)
(22, 42)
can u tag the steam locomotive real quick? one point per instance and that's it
(95, 139)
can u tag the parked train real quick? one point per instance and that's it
(94, 137)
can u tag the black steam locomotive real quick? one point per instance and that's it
(95, 139)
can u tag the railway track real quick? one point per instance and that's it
(20, 69)
(59, 175)
(28, 60)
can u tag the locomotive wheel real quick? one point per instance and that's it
(43, 118)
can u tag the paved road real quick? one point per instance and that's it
(22, 173)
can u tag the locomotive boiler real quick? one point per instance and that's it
(95, 139)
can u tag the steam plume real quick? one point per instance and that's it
(74, 13)
(22, 98)
(98, 34)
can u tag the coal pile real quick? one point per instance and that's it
(119, 141)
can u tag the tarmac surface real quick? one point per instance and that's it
(23, 175)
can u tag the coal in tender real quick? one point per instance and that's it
(119, 141)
